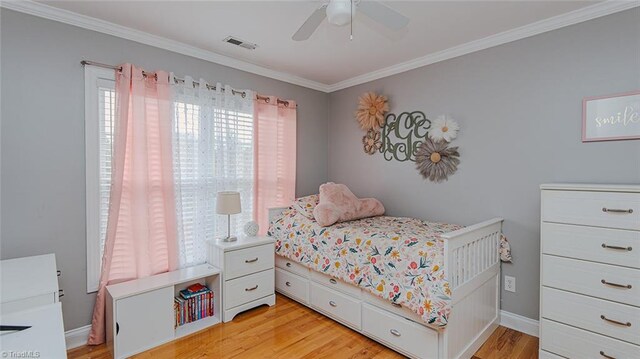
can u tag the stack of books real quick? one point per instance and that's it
(193, 303)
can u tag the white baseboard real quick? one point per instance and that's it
(519, 323)
(77, 337)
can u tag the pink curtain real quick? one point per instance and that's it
(274, 156)
(141, 230)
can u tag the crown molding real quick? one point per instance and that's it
(553, 23)
(587, 13)
(91, 23)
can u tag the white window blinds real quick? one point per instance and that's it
(99, 120)
(213, 152)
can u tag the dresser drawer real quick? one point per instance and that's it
(248, 288)
(292, 266)
(601, 209)
(576, 343)
(398, 332)
(28, 303)
(598, 280)
(592, 314)
(543, 354)
(292, 285)
(336, 305)
(248, 260)
(336, 284)
(613, 246)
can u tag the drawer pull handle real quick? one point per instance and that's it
(396, 305)
(60, 293)
(250, 289)
(395, 332)
(614, 210)
(606, 356)
(288, 264)
(628, 249)
(288, 284)
(333, 281)
(627, 324)
(251, 260)
(59, 273)
(332, 303)
(627, 286)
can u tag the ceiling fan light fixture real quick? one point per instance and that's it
(339, 12)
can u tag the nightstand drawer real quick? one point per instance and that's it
(608, 318)
(292, 266)
(604, 281)
(336, 305)
(599, 209)
(248, 260)
(248, 288)
(292, 285)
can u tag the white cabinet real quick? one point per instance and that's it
(248, 271)
(29, 297)
(590, 271)
(28, 282)
(140, 313)
(144, 320)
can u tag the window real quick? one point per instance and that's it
(99, 121)
(213, 151)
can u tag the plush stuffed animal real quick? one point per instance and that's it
(338, 204)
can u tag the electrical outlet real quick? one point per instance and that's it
(509, 283)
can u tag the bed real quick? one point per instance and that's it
(426, 290)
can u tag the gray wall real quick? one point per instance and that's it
(42, 145)
(519, 106)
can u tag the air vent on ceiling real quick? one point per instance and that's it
(235, 41)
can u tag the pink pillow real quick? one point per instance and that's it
(339, 204)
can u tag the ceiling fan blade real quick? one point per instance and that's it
(383, 14)
(311, 24)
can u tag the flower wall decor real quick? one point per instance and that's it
(371, 110)
(444, 128)
(436, 161)
(372, 142)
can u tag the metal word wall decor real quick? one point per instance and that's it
(402, 135)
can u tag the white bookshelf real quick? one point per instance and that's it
(140, 313)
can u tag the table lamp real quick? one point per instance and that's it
(228, 203)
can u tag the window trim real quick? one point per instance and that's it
(92, 77)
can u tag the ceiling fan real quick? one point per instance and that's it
(342, 12)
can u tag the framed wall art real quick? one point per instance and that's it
(610, 118)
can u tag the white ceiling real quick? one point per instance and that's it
(328, 57)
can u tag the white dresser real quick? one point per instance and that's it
(29, 296)
(248, 273)
(590, 271)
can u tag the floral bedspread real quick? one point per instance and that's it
(399, 259)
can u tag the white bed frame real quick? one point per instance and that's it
(472, 266)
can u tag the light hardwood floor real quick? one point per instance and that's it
(291, 330)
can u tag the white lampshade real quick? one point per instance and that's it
(228, 203)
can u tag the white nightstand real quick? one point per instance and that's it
(247, 272)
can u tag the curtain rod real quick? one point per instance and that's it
(267, 99)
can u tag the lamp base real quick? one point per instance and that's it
(230, 239)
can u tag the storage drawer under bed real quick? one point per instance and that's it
(399, 333)
(336, 305)
(292, 285)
